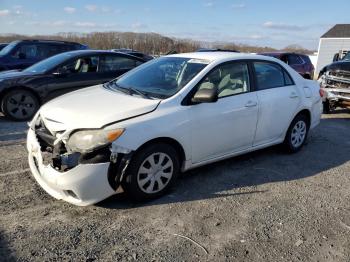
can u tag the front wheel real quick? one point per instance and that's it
(152, 171)
(19, 105)
(297, 133)
(326, 107)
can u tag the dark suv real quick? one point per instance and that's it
(300, 63)
(24, 53)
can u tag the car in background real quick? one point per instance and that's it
(21, 54)
(171, 114)
(299, 62)
(22, 92)
(134, 53)
(2, 45)
(335, 84)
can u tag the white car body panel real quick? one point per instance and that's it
(207, 132)
(222, 127)
(94, 101)
(276, 103)
(84, 180)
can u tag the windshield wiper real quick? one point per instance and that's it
(142, 94)
(131, 90)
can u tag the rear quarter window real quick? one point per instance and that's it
(114, 63)
(306, 59)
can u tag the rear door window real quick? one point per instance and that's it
(110, 63)
(43, 51)
(271, 75)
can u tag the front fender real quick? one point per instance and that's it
(170, 123)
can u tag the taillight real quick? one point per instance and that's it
(321, 92)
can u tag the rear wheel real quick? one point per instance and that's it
(152, 171)
(19, 105)
(297, 133)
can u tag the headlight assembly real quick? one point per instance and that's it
(85, 141)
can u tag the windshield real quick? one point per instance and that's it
(347, 56)
(47, 64)
(7, 49)
(162, 77)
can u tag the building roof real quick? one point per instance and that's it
(338, 31)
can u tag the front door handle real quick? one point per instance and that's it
(251, 104)
(293, 95)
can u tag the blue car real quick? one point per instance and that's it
(24, 53)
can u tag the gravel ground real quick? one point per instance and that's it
(263, 206)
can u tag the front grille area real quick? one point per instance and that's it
(345, 94)
(341, 74)
(336, 84)
(50, 152)
(57, 155)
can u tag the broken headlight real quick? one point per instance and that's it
(85, 141)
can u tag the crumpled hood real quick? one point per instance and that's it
(93, 107)
(339, 66)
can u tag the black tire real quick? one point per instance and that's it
(326, 107)
(131, 182)
(19, 104)
(289, 142)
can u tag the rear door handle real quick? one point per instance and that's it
(293, 95)
(251, 104)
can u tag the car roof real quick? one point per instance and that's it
(218, 56)
(49, 41)
(97, 52)
(277, 53)
(216, 50)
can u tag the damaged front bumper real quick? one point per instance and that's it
(78, 179)
(336, 90)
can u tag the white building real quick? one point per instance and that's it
(335, 41)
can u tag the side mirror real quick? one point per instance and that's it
(22, 56)
(336, 57)
(205, 95)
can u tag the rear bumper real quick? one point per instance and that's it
(82, 185)
(316, 112)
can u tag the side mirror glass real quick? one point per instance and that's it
(205, 96)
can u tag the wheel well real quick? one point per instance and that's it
(7, 90)
(170, 141)
(307, 76)
(306, 113)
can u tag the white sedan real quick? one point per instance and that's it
(169, 115)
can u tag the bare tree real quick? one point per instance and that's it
(151, 43)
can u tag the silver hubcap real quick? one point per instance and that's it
(155, 173)
(298, 133)
(20, 105)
